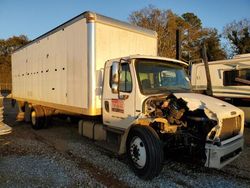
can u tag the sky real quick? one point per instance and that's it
(35, 17)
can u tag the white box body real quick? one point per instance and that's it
(63, 68)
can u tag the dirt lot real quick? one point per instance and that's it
(59, 157)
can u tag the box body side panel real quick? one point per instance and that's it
(54, 69)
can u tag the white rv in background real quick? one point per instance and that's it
(230, 80)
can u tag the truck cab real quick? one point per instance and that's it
(150, 100)
(128, 82)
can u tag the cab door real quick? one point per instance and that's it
(119, 108)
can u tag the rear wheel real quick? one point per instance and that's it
(48, 113)
(37, 117)
(27, 112)
(144, 152)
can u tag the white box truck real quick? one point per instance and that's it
(86, 67)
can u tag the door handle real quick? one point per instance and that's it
(106, 105)
(123, 97)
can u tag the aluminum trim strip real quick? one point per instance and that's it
(91, 65)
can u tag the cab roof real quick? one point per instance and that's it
(138, 56)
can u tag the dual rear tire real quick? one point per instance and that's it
(40, 117)
(37, 117)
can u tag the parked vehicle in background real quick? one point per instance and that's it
(85, 67)
(230, 81)
(4, 129)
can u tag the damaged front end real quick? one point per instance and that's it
(205, 128)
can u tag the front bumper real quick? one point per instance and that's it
(219, 156)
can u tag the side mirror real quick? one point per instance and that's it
(115, 77)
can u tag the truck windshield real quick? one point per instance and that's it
(158, 76)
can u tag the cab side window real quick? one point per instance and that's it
(125, 84)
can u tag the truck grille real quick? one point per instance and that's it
(230, 127)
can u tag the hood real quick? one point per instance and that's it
(220, 108)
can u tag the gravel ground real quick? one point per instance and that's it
(59, 157)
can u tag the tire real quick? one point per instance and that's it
(37, 117)
(27, 112)
(13, 103)
(144, 152)
(21, 106)
(48, 113)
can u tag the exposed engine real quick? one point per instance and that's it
(173, 109)
(178, 126)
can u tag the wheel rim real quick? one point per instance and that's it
(138, 152)
(33, 117)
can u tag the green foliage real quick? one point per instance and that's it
(165, 23)
(161, 21)
(192, 20)
(11, 44)
(6, 48)
(237, 33)
(212, 42)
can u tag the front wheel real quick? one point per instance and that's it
(144, 152)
